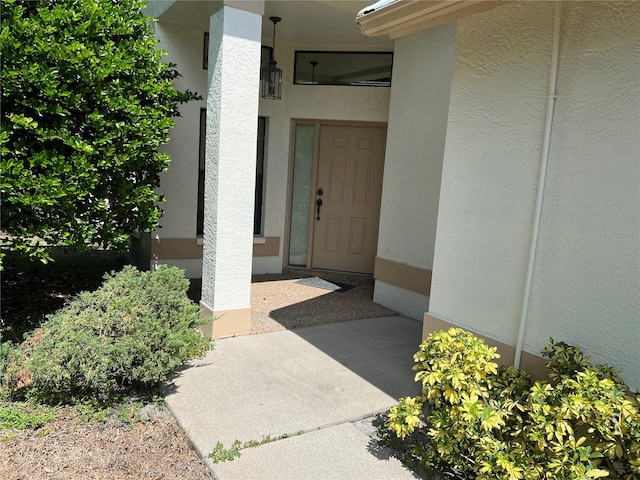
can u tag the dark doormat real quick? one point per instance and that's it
(325, 285)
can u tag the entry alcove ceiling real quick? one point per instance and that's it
(332, 23)
(327, 24)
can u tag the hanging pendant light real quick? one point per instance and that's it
(271, 75)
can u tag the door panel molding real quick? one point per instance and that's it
(350, 166)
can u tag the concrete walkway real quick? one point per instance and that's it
(318, 386)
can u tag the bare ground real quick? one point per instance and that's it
(66, 449)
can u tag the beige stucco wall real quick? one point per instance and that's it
(489, 178)
(184, 45)
(418, 113)
(587, 275)
(586, 285)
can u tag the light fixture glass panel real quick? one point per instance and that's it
(271, 82)
(271, 75)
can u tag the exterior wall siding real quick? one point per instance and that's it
(492, 156)
(586, 285)
(586, 280)
(418, 113)
(184, 45)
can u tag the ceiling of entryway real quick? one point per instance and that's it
(321, 23)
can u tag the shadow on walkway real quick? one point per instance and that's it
(279, 301)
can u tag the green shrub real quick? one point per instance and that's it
(23, 415)
(12, 372)
(86, 102)
(489, 422)
(131, 333)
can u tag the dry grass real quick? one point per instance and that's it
(66, 449)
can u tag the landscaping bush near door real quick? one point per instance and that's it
(129, 334)
(491, 422)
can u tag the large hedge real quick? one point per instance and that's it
(86, 102)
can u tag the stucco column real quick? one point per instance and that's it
(232, 112)
(418, 115)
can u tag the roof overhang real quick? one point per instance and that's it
(397, 18)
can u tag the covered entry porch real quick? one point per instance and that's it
(299, 298)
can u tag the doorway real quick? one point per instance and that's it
(336, 193)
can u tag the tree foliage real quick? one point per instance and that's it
(86, 102)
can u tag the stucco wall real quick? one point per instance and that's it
(418, 113)
(184, 45)
(232, 107)
(494, 139)
(304, 102)
(586, 286)
(587, 270)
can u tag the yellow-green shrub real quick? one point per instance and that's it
(489, 422)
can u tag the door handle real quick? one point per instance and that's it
(318, 205)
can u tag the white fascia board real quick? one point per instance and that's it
(397, 18)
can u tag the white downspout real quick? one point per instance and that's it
(544, 160)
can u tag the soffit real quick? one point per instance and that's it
(326, 24)
(329, 23)
(397, 18)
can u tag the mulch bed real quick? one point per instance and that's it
(67, 449)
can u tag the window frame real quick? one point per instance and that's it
(340, 52)
(201, 173)
(259, 189)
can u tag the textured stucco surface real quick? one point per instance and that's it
(179, 184)
(232, 109)
(405, 302)
(418, 111)
(263, 265)
(586, 284)
(492, 154)
(192, 266)
(156, 8)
